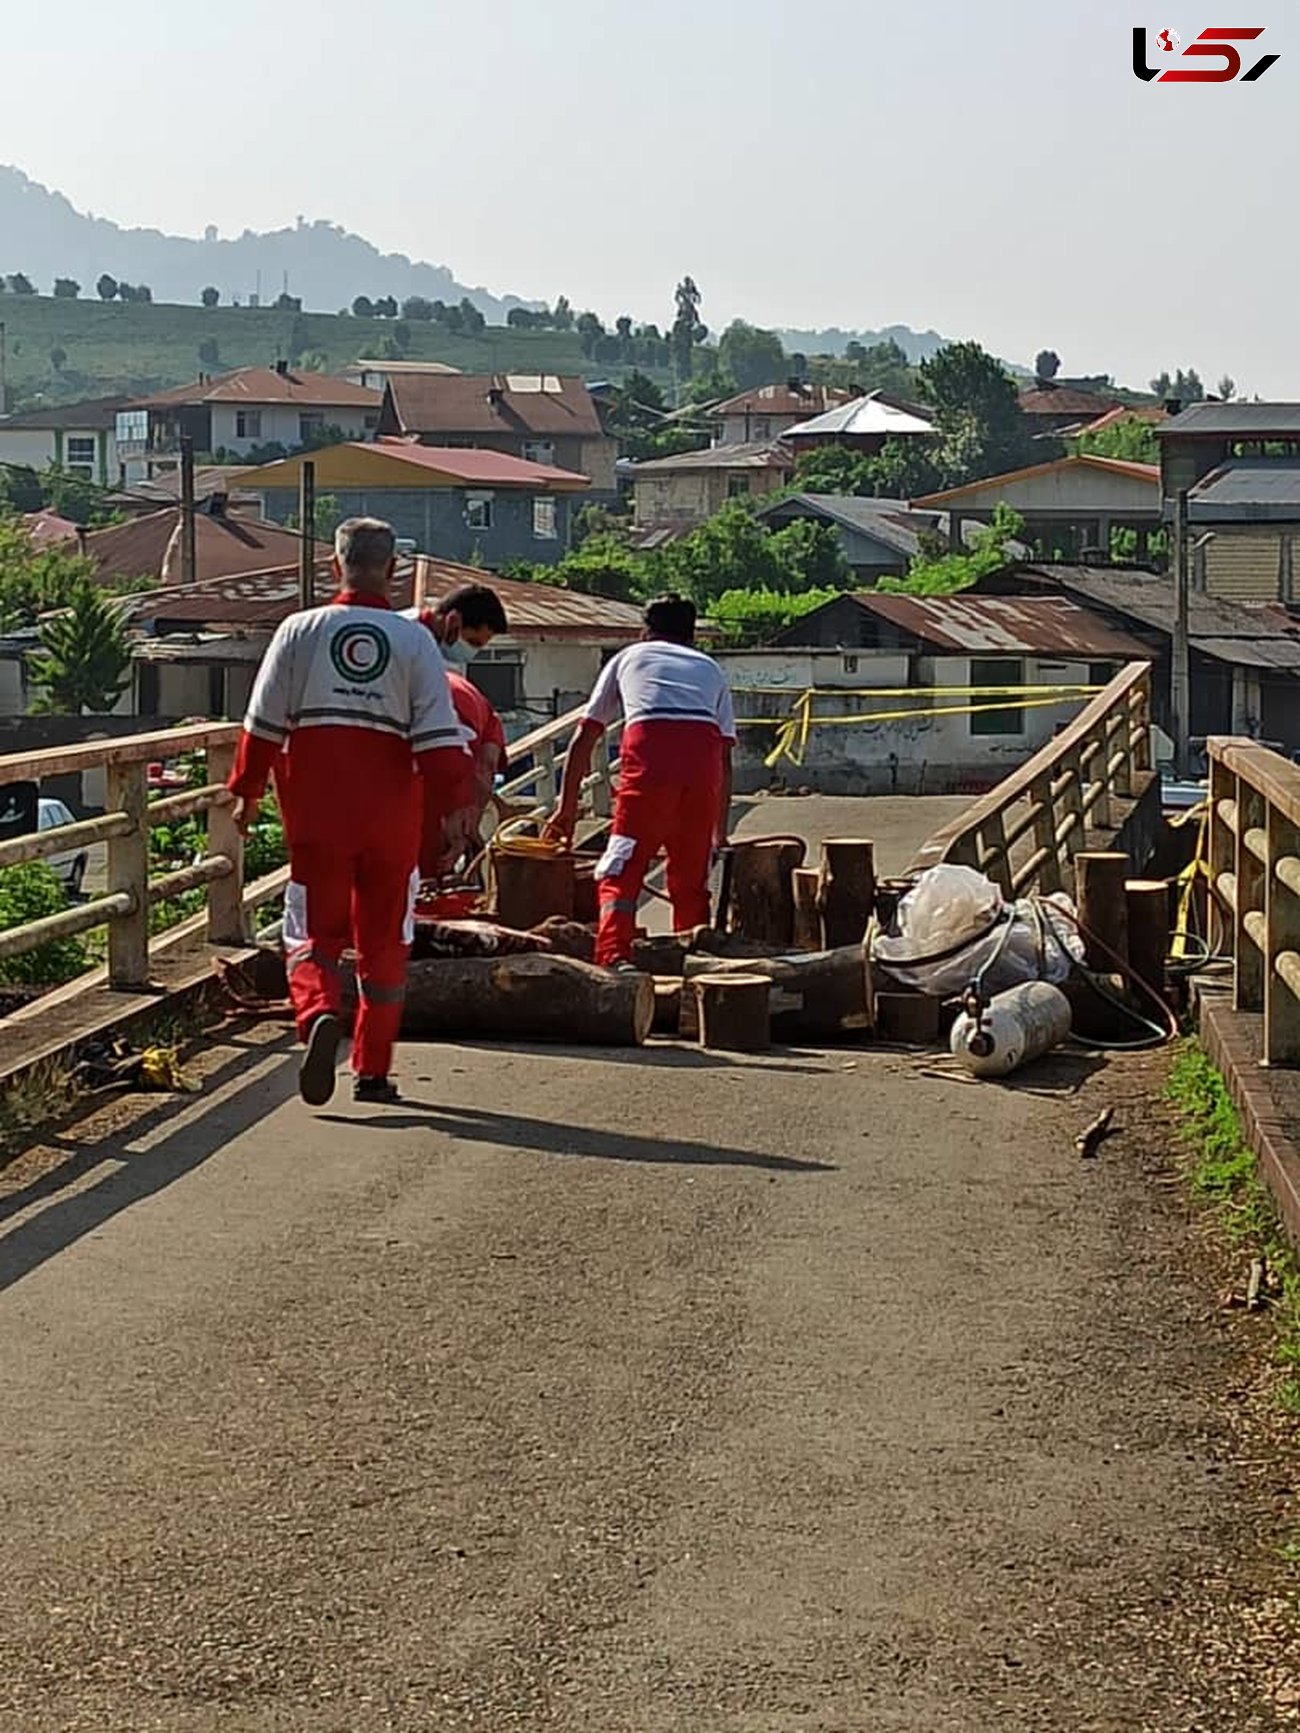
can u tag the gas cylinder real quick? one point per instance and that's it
(1019, 1025)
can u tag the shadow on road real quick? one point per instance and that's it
(545, 1137)
(194, 1141)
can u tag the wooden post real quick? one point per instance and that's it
(807, 909)
(1252, 964)
(1103, 908)
(1282, 927)
(128, 872)
(1045, 843)
(602, 793)
(1148, 933)
(734, 1012)
(545, 787)
(189, 559)
(227, 923)
(307, 536)
(1223, 856)
(762, 889)
(848, 890)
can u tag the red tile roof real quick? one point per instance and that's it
(267, 385)
(1041, 399)
(150, 547)
(47, 529)
(475, 404)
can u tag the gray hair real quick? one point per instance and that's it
(364, 546)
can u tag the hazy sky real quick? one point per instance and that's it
(990, 169)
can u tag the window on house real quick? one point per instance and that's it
(763, 427)
(539, 451)
(501, 683)
(310, 425)
(737, 486)
(248, 424)
(996, 673)
(79, 456)
(478, 511)
(1100, 673)
(545, 526)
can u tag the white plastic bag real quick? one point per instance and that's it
(954, 926)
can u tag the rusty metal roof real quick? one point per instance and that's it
(150, 547)
(258, 601)
(1033, 625)
(535, 610)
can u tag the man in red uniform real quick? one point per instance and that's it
(462, 623)
(446, 839)
(350, 701)
(674, 782)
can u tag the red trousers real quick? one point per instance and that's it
(364, 902)
(668, 793)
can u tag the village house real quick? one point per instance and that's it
(233, 414)
(1070, 506)
(682, 491)
(480, 506)
(78, 437)
(1245, 660)
(768, 411)
(196, 647)
(879, 538)
(888, 661)
(1051, 406)
(1239, 464)
(541, 418)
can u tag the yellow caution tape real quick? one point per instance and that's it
(793, 730)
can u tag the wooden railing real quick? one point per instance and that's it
(1255, 881)
(130, 816)
(1025, 832)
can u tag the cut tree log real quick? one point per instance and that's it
(807, 909)
(529, 888)
(1148, 933)
(848, 890)
(733, 1012)
(762, 891)
(823, 997)
(667, 954)
(1103, 908)
(540, 998)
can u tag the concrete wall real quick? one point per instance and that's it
(692, 495)
(38, 448)
(924, 753)
(281, 424)
(434, 518)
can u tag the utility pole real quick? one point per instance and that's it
(188, 553)
(307, 536)
(1180, 672)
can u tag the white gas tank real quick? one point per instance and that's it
(1019, 1025)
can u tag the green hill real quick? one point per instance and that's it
(61, 350)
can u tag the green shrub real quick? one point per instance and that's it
(29, 893)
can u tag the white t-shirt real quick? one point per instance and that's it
(661, 682)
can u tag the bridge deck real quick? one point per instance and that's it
(639, 1393)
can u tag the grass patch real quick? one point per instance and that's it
(1224, 1175)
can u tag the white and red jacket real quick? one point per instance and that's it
(350, 701)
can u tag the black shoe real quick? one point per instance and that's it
(316, 1074)
(381, 1091)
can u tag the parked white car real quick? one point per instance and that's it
(71, 868)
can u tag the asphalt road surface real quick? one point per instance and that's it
(640, 1392)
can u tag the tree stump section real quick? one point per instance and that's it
(820, 998)
(530, 888)
(762, 891)
(1103, 908)
(1148, 935)
(733, 1012)
(848, 890)
(807, 909)
(537, 997)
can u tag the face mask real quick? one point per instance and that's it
(460, 654)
